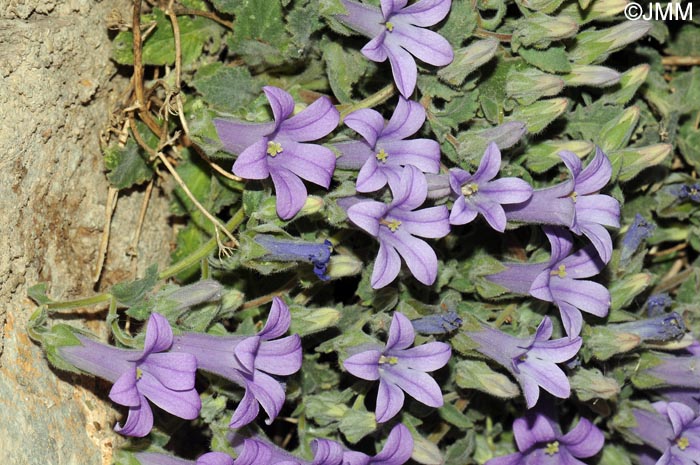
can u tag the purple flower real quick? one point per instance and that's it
(575, 203)
(277, 149)
(668, 370)
(290, 250)
(397, 33)
(541, 442)
(657, 303)
(384, 150)
(673, 430)
(397, 450)
(396, 225)
(559, 280)
(533, 360)
(691, 192)
(400, 369)
(639, 231)
(210, 458)
(662, 328)
(165, 378)
(479, 194)
(249, 361)
(439, 323)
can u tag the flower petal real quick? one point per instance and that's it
(583, 264)
(236, 136)
(371, 177)
(418, 255)
(407, 119)
(280, 357)
(245, 352)
(560, 241)
(364, 365)
(269, 393)
(401, 333)
(124, 390)
(463, 212)
(389, 401)
(245, 412)
(489, 166)
(532, 429)
(585, 440)
(424, 44)
(596, 175)
(598, 208)
(572, 162)
(366, 215)
(492, 212)
(390, 7)
(680, 415)
(252, 162)
(281, 102)
(571, 319)
(375, 49)
(417, 384)
(386, 266)
(511, 459)
(366, 122)
(312, 162)
(432, 222)
(506, 190)
(354, 154)
(174, 370)
(184, 404)
(600, 238)
(412, 189)
(426, 357)
(426, 12)
(139, 422)
(587, 296)
(159, 335)
(326, 452)
(314, 122)
(403, 67)
(548, 375)
(290, 192)
(214, 458)
(424, 154)
(365, 19)
(278, 320)
(397, 449)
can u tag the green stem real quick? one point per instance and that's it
(203, 251)
(86, 302)
(381, 96)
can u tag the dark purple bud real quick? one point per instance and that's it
(437, 324)
(657, 303)
(639, 231)
(660, 329)
(290, 250)
(691, 192)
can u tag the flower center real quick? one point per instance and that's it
(389, 26)
(561, 272)
(274, 148)
(683, 443)
(383, 360)
(470, 189)
(393, 225)
(382, 156)
(552, 448)
(574, 196)
(139, 373)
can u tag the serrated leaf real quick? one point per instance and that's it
(552, 60)
(127, 165)
(131, 293)
(344, 67)
(226, 88)
(260, 30)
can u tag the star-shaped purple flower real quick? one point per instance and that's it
(533, 360)
(541, 442)
(673, 431)
(165, 378)
(560, 280)
(396, 225)
(277, 149)
(400, 369)
(479, 194)
(575, 203)
(249, 361)
(384, 150)
(396, 451)
(397, 33)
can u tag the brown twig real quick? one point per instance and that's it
(132, 250)
(138, 64)
(484, 34)
(110, 205)
(672, 61)
(187, 142)
(268, 297)
(180, 11)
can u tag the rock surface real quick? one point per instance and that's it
(57, 89)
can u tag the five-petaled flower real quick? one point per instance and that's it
(559, 280)
(541, 442)
(575, 203)
(384, 151)
(673, 431)
(477, 193)
(165, 378)
(277, 149)
(533, 360)
(249, 361)
(396, 225)
(397, 33)
(400, 369)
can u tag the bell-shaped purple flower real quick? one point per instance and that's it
(400, 369)
(575, 203)
(249, 361)
(278, 149)
(541, 442)
(533, 360)
(384, 151)
(396, 226)
(397, 33)
(673, 431)
(165, 378)
(210, 458)
(396, 451)
(559, 281)
(479, 193)
(293, 250)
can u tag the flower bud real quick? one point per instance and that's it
(438, 186)
(313, 204)
(468, 59)
(531, 84)
(426, 452)
(594, 46)
(616, 133)
(539, 30)
(633, 160)
(538, 115)
(543, 156)
(598, 10)
(663, 328)
(344, 265)
(630, 81)
(545, 6)
(200, 292)
(504, 136)
(312, 320)
(589, 75)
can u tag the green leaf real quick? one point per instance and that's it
(460, 23)
(131, 293)
(303, 22)
(226, 88)
(226, 6)
(454, 416)
(356, 424)
(592, 384)
(38, 293)
(127, 165)
(475, 374)
(260, 32)
(686, 41)
(689, 143)
(603, 342)
(345, 67)
(60, 335)
(188, 240)
(307, 321)
(552, 60)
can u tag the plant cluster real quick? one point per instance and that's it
(400, 194)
